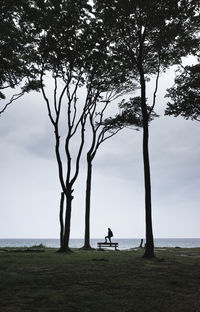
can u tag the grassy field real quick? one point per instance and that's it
(100, 281)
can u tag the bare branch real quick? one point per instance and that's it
(102, 113)
(13, 98)
(55, 94)
(83, 121)
(46, 99)
(68, 159)
(69, 74)
(58, 157)
(90, 102)
(74, 99)
(60, 102)
(156, 88)
(6, 87)
(102, 138)
(112, 134)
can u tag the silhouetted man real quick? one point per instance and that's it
(110, 234)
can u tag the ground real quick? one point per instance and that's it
(96, 281)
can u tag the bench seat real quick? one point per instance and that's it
(103, 244)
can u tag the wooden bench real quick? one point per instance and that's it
(103, 244)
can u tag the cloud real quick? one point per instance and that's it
(30, 189)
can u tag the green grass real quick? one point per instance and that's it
(100, 281)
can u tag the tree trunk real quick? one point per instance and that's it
(65, 245)
(149, 248)
(61, 219)
(87, 205)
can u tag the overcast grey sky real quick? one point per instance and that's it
(30, 189)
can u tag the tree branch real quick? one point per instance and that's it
(102, 138)
(83, 120)
(156, 88)
(13, 98)
(55, 94)
(46, 99)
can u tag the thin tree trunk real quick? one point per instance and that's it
(61, 219)
(149, 249)
(69, 198)
(87, 205)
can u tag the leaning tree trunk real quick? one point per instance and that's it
(149, 249)
(87, 204)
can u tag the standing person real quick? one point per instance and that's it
(141, 243)
(110, 234)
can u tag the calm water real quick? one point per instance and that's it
(124, 243)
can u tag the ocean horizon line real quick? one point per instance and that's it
(124, 243)
(115, 237)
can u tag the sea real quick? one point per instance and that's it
(124, 243)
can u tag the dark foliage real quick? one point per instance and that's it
(185, 94)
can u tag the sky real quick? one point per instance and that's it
(30, 189)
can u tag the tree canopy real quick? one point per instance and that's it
(185, 94)
(17, 66)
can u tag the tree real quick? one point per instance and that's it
(185, 94)
(147, 37)
(104, 129)
(106, 82)
(73, 54)
(16, 45)
(59, 32)
(98, 136)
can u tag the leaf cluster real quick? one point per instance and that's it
(185, 94)
(101, 45)
(16, 45)
(130, 115)
(150, 32)
(59, 28)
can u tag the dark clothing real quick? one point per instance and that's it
(110, 234)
